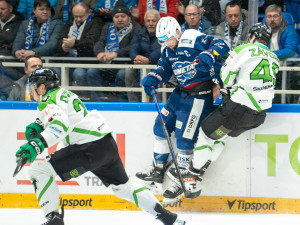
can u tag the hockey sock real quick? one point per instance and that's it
(42, 176)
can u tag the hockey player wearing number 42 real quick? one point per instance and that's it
(194, 59)
(89, 147)
(250, 73)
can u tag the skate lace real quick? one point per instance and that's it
(174, 187)
(150, 172)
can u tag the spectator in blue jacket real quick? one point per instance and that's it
(39, 34)
(284, 39)
(26, 7)
(283, 43)
(144, 49)
(105, 7)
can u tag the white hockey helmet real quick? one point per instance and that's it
(166, 28)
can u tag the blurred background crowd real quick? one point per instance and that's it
(107, 30)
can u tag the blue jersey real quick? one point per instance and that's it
(180, 61)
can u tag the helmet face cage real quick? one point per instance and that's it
(166, 28)
(261, 31)
(46, 76)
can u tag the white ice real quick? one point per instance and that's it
(105, 217)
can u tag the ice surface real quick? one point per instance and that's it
(105, 217)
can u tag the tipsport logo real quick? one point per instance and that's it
(245, 206)
(73, 203)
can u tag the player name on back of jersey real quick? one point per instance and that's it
(260, 51)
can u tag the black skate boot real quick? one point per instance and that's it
(191, 180)
(167, 217)
(173, 193)
(54, 218)
(154, 178)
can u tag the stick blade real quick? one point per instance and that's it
(192, 195)
(20, 165)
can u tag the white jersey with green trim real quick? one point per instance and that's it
(66, 119)
(250, 70)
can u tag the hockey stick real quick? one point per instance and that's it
(186, 192)
(20, 165)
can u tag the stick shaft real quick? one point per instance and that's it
(169, 141)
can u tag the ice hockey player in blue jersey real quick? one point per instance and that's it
(194, 59)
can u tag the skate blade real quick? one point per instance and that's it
(167, 201)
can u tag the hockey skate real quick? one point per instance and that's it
(167, 217)
(154, 178)
(191, 180)
(173, 193)
(54, 218)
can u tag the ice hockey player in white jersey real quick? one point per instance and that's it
(89, 147)
(249, 76)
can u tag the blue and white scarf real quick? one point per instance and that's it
(161, 5)
(76, 32)
(109, 4)
(44, 33)
(66, 9)
(227, 38)
(114, 37)
(185, 26)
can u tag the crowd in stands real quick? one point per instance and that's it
(106, 29)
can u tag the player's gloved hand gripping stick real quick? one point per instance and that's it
(187, 193)
(28, 152)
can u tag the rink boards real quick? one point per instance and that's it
(257, 172)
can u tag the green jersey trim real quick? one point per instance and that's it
(228, 77)
(94, 133)
(250, 97)
(49, 98)
(203, 147)
(59, 124)
(239, 48)
(45, 188)
(135, 195)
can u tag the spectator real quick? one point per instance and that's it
(39, 34)
(105, 7)
(19, 90)
(114, 41)
(15, 4)
(78, 37)
(164, 7)
(212, 11)
(144, 49)
(64, 8)
(9, 24)
(234, 30)
(283, 43)
(79, 34)
(194, 19)
(26, 7)
(5, 83)
(284, 39)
